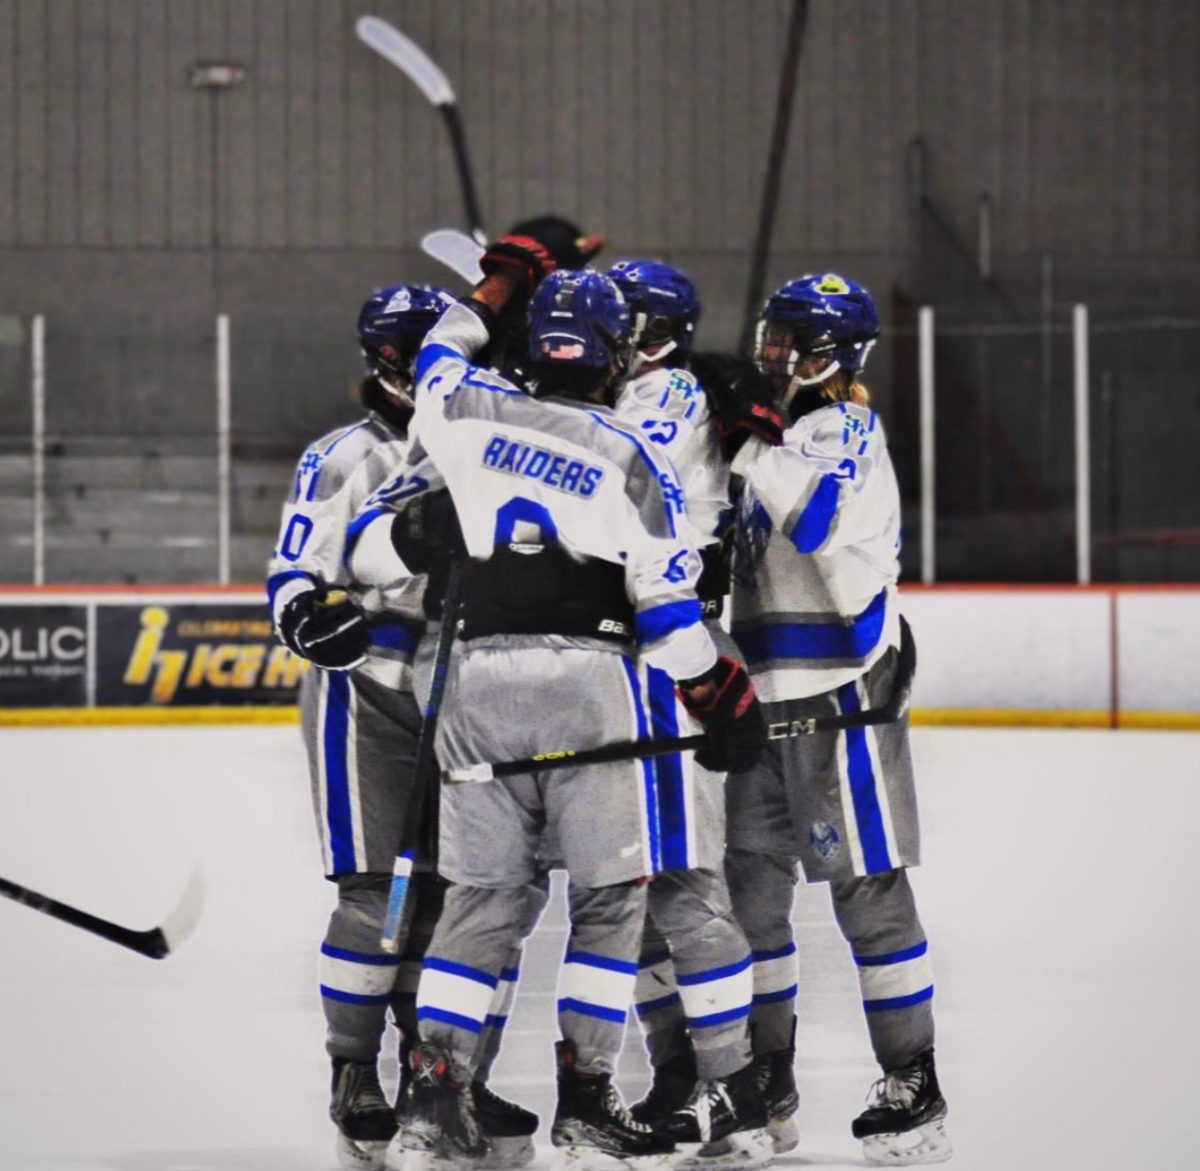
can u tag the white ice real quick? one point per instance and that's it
(1059, 893)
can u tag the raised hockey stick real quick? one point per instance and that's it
(425, 772)
(888, 712)
(457, 251)
(760, 251)
(156, 942)
(407, 56)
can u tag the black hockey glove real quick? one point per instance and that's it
(741, 400)
(427, 532)
(324, 625)
(724, 701)
(567, 245)
(428, 539)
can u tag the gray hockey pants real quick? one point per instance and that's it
(877, 917)
(480, 926)
(694, 974)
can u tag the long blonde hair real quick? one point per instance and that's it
(844, 387)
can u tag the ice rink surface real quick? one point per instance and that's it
(1059, 892)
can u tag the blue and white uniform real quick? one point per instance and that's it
(356, 803)
(694, 974)
(815, 616)
(559, 502)
(360, 731)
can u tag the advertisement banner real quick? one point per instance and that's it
(190, 654)
(43, 656)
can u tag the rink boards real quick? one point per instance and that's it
(1103, 656)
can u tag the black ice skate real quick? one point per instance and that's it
(509, 1128)
(777, 1081)
(440, 1132)
(673, 1083)
(593, 1125)
(364, 1119)
(904, 1122)
(729, 1116)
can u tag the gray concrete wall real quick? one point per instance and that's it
(133, 207)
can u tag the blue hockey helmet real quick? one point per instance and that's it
(813, 327)
(664, 303)
(394, 321)
(578, 319)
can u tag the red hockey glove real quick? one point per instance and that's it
(565, 242)
(724, 701)
(741, 399)
(524, 257)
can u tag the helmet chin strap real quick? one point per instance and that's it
(641, 358)
(799, 382)
(401, 394)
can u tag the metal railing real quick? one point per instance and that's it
(160, 449)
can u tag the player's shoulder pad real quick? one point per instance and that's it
(329, 462)
(464, 328)
(673, 394)
(840, 428)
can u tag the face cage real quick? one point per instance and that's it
(387, 365)
(782, 371)
(650, 331)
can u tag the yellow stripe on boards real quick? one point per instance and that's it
(49, 717)
(1009, 718)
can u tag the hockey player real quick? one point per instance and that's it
(816, 616)
(694, 983)
(579, 544)
(360, 723)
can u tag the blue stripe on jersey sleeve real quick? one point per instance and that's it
(356, 528)
(812, 526)
(659, 621)
(431, 353)
(278, 580)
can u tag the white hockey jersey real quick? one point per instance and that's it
(335, 476)
(670, 409)
(522, 469)
(818, 541)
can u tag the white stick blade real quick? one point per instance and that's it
(407, 56)
(180, 923)
(471, 774)
(456, 250)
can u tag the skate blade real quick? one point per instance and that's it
(406, 1158)
(745, 1150)
(360, 1154)
(581, 1158)
(507, 1154)
(785, 1134)
(922, 1144)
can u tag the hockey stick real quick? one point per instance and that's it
(457, 251)
(774, 176)
(407, 56)
(892, 709)
(156, 943)
(425, 774)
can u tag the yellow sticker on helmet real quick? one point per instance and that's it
(832, 283)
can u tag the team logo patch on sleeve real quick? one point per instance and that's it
(553, 469)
